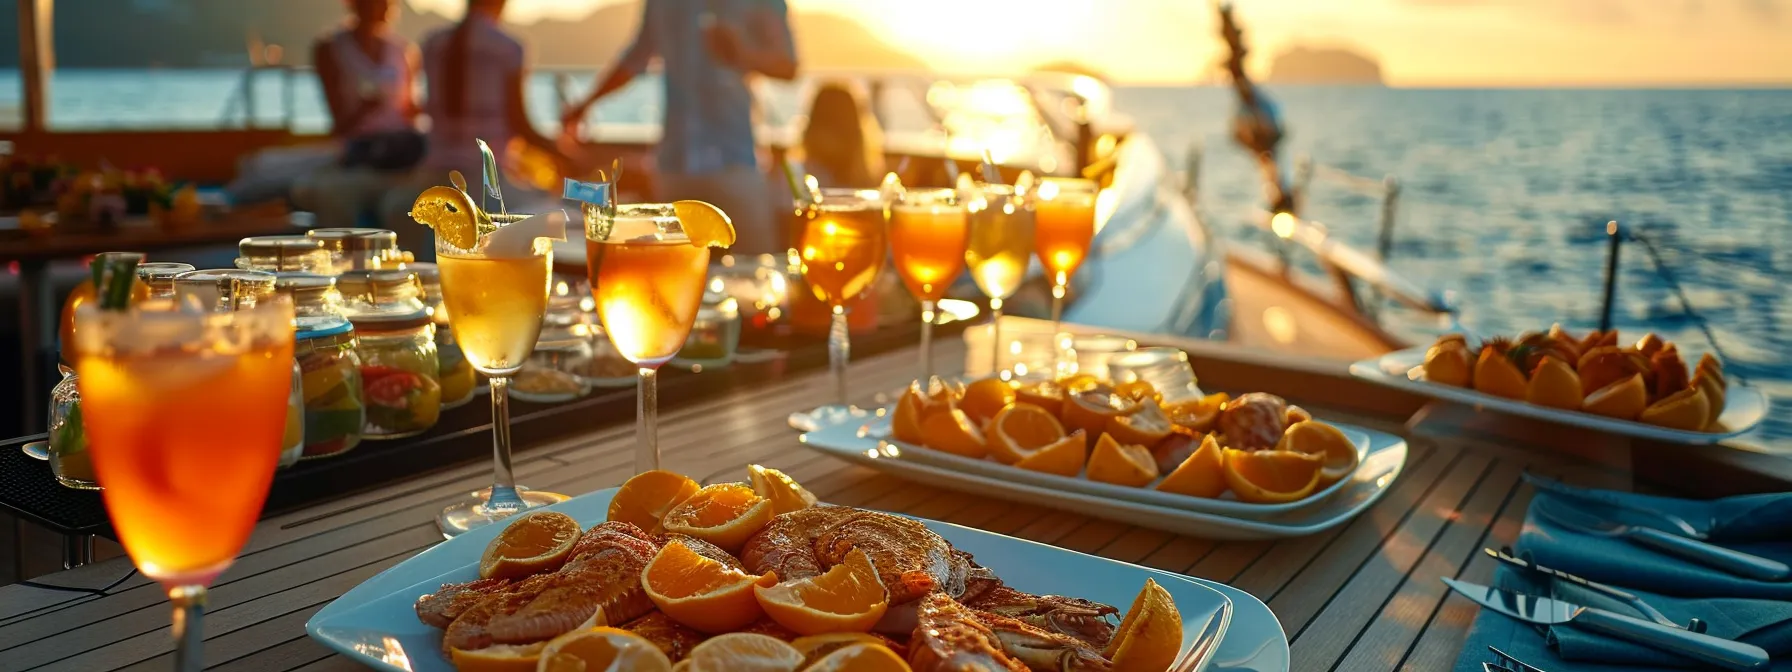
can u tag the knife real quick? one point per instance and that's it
(1724, 653)
(1734, 562)
(1613, 592)
(1601, 500)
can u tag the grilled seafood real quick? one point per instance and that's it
(1253, 421)
(673, 638)
(443, 606)
(952, 636)
(603, 573)
(911, 560)
(1082, 619)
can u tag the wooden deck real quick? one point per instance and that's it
(1363, 596)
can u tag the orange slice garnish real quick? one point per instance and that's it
(847, 598)
(645, 498)
(1271, 476)
(743, 652)
(498, 658)
(1202, 474)
(1064, 457)
(785, 493)
(1121, 464)
(860, 658)
(1145, 428)
(1150, 636)
(532, 543)
(702, 593)
(954, 432)
(704, 224)
(599, 649)
(1337, 455)
(724, 514)
(985, 398)
(1020, 429)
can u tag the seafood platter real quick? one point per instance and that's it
(1645, 389)
(1250, 467)
(664, 574)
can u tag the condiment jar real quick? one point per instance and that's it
(456, 374)
(329, 368)
(283, 254)
(159, 275)
(358, 249)
(395, 338)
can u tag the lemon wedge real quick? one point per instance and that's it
(450, 213)
(706, 225)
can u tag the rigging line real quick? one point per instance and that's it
(1661, 269)
(106, 590)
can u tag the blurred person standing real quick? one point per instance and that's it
(707, 48)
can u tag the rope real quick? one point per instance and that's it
(1661, 269)
(76, 589)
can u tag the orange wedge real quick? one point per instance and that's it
(498, 658)
(1146, 427)
(1271, 476)
(785, 493)
(1554, 384)
(1019, 430)
(1649, 344)
(1044, 394)
(1448, 363)
(1063, 457)
(1121, 464)
(814, 647)
(744, 652)
(1710, 366)
(1203, 474)
(1197, 416)
(1091, 409)
(1295, 414)
(646, 497)
(602, 650)
(1687, 410)
(532, 543)
(704, 224)
(702, 593)
(985, 398)
(905, 421)
(724, 514)
(1604, 365)
(1138, 391)
(1715, 394)
(1624, 399)
(1336, 452)
(954, 432)
(1498, 376)
(860, 658)
(1150, 635)
(847, 598)
(1078, 382)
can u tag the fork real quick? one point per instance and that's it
(1506, 663)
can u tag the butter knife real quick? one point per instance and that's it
(1647, 610)
(1728, 560)
(1716, 651)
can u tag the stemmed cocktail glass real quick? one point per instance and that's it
(648, 265)
(927, 241)
(840, 247)
(496, 270)
(1064, 225)
(1000, 242)
(185, 414)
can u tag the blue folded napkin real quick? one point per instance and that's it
(1755, 612)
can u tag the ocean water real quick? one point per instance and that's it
(1504, 193)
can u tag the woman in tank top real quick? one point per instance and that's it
(368, 73)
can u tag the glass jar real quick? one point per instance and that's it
(457, 376)
(715, 335)
(68, 440)
(159, 276)
(283, 254)
(224, 289)
(1167, 369)
(292, 441)
(562, 353)
(329, 368)
(395, 339)
(358, 249)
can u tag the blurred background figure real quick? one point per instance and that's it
(843, 145)
(476, 72)
(707, 150)
(368, 74)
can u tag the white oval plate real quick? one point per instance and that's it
(1744, 406)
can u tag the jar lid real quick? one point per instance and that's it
(159, 275)
(225, 289)
(378, 322)
(314, 328)
(378, 285)
(277, 246)
(354, 239)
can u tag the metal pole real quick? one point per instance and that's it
(1390, 197)
(1615, 236)
(37, 59)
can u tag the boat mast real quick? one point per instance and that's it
(37, 59)
(1255, 126)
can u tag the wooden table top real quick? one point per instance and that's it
(1362, 596)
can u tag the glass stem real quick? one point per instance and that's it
(189, 637)
(839, 349)
(995, 336)
(927, 317)
(503, 497)
(647, 419)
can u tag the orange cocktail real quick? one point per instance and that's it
(1064, 225)
(841, 249)
(928, 233)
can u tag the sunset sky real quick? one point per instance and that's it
(1417, 42)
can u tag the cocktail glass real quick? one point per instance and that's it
(840, 249)
(1064, 214)
(647, 277)
(1000, 241)
(928, 228)
(496, 293)
(185, 412)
